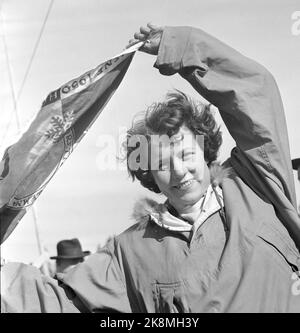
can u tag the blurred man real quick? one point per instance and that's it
(296, 166)
(69, 254)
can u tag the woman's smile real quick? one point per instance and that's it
(183, 186)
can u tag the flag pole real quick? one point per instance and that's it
(36, 229)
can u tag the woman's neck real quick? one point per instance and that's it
(189, 209)
(189, 213)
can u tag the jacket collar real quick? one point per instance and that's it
(208, 205)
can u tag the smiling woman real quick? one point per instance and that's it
(177, 115)
(185, 178)
(239, 232)
(76, 37)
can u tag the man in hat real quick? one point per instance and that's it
(296, 166)
(69, 254)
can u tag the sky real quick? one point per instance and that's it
(82, 200)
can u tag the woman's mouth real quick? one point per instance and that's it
(184, 185)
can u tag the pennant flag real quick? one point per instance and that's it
(65, 116)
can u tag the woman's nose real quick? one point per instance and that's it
(178, 169)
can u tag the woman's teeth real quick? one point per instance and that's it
(184, 184)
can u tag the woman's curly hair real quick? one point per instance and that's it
(166, 118)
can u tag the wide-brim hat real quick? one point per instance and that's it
(296, 163)
(70, 249)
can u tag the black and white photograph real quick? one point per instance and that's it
(150, 158)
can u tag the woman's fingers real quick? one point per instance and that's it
(152, 26)
(140, 36)
(151, 35)
(145, 30)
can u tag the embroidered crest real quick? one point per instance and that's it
(59, 126)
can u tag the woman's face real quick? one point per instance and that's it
(183, 175)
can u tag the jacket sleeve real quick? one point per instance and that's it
(99, 282)
(92, 286)
(250, 105)
(25, 290)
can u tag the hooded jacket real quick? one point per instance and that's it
(246, 260)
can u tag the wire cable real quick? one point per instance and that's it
(35, 48)
(14, 97)
(10, 77)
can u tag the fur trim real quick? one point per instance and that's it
(143, 208)
(217, 174)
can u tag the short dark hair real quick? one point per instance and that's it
(166, 118)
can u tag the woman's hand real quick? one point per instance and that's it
(151, 35)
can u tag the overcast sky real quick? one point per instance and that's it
(81, 200)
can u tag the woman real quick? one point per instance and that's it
(227, 243)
